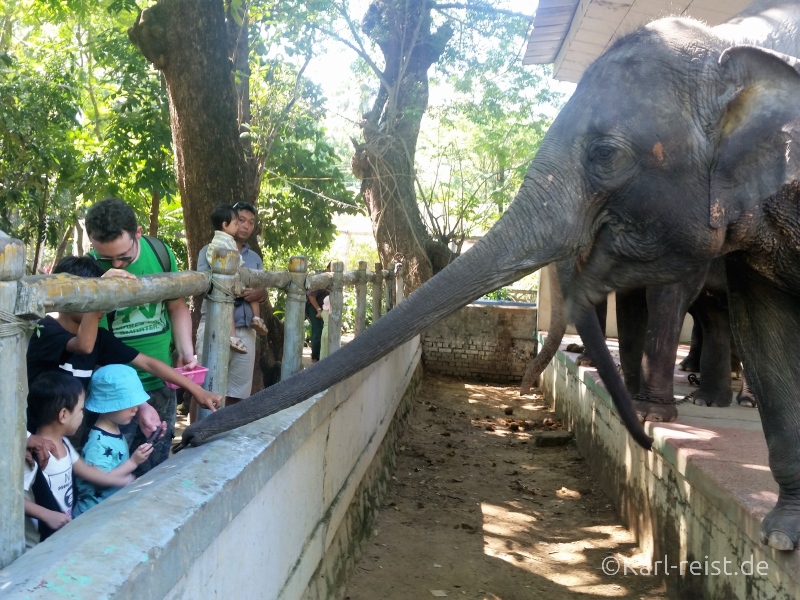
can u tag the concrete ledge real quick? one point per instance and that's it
(699, 495)
(249, 515)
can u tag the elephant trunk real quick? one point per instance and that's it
(555, 332)
(588, 327)
(518, 244)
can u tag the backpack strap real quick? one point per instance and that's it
(161, 252)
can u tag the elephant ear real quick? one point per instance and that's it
(758, 150)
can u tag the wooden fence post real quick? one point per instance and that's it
(217, 339)
(361, 298)
(13, 401)
(388, 277)
(377, 293)
(399, 284)
(293, 323)
(337, 303)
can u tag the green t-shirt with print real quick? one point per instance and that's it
(146, 327)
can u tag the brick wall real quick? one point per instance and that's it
(484, 341)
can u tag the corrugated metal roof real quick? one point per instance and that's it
(572, 33)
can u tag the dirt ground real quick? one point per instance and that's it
(477, 510)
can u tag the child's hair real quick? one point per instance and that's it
(224, 213)
(83, 266)
(50, 392)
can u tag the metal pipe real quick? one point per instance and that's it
(293, 328)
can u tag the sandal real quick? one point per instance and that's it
(259, 326)
(237, 345)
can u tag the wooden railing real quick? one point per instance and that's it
(25, 300)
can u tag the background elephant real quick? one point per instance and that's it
(677, 147)
(649, 321)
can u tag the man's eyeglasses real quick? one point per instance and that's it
(129, 256)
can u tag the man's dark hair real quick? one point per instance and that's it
(224, 213)
(245, 206)
(50, 392)
(109, 218)
(82, 266)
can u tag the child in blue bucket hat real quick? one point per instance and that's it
(115, 393)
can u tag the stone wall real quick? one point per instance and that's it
(484, 341)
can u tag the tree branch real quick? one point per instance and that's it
(481, 8)
(360, 50)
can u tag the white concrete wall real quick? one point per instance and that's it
(680, 500)
(248, 515)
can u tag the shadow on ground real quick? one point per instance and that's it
(477, 510)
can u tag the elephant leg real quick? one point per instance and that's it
(632, 328)
(666, 310)
(745, 396)
(692, 361)
(715, 359)
(765, 325)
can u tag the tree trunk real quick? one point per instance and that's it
(62, 246)
(385, 160)
(155, 203)
(187, 41)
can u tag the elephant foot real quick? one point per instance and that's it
(574, 348)
(690, 363)
(746, 399)
(657, 410)
(719, 399)
(583, 361)
(780, 529)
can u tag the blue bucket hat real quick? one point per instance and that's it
(113, 388)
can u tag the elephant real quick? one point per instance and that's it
(678, 146)
(649, 322)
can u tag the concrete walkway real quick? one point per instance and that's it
(725, 445)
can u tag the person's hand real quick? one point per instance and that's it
(258, 295)
(118, 273)
(41, 447)
(142, 453)
(209, 400)
(188, 362)
(55, 520)
(149, 420)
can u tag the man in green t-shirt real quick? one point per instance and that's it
(117, 243)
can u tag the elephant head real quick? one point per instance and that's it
(660, 162)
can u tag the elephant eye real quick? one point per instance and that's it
(602, 153)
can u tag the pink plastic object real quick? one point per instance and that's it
(197, 374)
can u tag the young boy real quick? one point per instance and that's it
(115, 395)
(57, 401)
(226, 223)
(74, 343)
